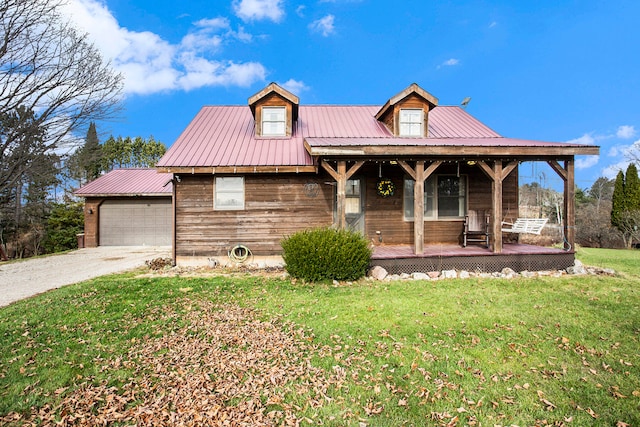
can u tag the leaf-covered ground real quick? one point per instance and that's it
(223, 367)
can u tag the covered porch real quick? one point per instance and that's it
(398, 259)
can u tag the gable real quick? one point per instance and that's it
(412, 98)
(271, 99)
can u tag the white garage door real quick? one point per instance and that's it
(135, 222)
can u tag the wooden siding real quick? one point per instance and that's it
(275, 206)
(278, 205)
(386, 215)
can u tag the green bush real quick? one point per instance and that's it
(326, 253)
(63, 225)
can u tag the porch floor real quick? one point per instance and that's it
(398, 259)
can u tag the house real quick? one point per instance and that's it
(404, 173)
(128, 207)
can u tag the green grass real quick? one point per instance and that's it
(468, 352)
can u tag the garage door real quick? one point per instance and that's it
(135, 222)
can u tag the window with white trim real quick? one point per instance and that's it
(228, 193)
(274, 121)
(411, 122)
(445, 196)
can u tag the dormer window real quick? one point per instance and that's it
(274, 121)
(411, 122)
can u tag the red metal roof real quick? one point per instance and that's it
(128, 182)
(225, 135)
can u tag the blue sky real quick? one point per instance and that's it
(565, 71)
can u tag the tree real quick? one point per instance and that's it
(625, 210)
(85, 164)
(51, 71)
(593, 216)
(617, 199)
(64, 223)
(127, 153)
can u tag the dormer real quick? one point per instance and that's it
(275, 111)
(407, 113)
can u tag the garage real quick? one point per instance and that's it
(144, 222)
(128, 207)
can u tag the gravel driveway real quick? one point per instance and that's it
(26, 278)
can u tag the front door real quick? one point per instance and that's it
(354, 204)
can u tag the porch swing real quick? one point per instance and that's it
(523, 225)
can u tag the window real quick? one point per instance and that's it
(445, 196)
(411, 122)
(229, 193)
(274, 121)
(352, 197)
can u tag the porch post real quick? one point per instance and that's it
(496, 199)
(418, 208)
(341, 194)
(570, 206)
(341, 176)
(567, 173)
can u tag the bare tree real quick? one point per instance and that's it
(47, 67)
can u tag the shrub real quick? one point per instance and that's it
(326, 253)
(64, 223)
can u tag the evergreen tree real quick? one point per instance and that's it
(632, 188)
(617, 200)
(86, 163)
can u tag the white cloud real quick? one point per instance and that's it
(626, 132)
(250, 10)
(586, 161)
(300, 10)
(294, 86)
(493, 24)
(151, 64)
(586, 139)
(323, 26)
(449, 63)
(612, 170)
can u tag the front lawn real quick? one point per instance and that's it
(259, 350)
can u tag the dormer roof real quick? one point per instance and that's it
(412, 89)
(279, 90)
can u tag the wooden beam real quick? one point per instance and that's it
(558, 168)
(453, 151)
(506, 170)
(569, 206)
(496, 199)
(326, 166)
(353, 169)
(341, 206)
(418, 208)
(408, 169)
(488, 171)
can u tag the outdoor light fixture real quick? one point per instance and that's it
(471, 162)
(90, 211)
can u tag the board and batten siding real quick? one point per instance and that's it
(275, 206)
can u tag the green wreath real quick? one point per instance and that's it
(385, 187)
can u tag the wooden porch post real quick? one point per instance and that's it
(419, 175)
(570, 206)
(568, 176)
(418, 208)
(341, 176)
(341, 194)
(496, 206)
(497, 174)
